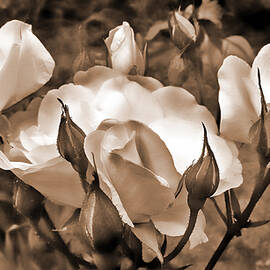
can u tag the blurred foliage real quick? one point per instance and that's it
(65, 27)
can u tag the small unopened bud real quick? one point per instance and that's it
(70, 142)
(183, 32)
(202, 178)
(100, 221)
(27, 201)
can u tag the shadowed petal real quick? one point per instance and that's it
(147, 234)
(155, 155)
(143, 194)
(239, 99)
(55, 179)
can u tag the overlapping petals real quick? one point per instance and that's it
(25, 64)
(102, 93)
(143, 137)
(239, 96)
(181, 130)
(138, 164)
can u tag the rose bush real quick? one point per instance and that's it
(25, 65)
(163, 139)
(239, 96)
(143, 137)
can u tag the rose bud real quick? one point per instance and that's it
(27, 200)
(202, 178)
(70, 142)
(123, 51)
(100, 221)
(183, 32)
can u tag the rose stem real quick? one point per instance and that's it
(241, 222)
(228, 208)
(219, 210)
(185, 238)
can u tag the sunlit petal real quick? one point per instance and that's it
(239, 99)
(178, 102)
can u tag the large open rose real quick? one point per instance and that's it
(25, 65)
(140, 161)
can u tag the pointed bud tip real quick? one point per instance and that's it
(202, 178)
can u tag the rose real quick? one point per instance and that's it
(32, 136)
(137, 166)
(25, 65)
(103, 93)
(239, 96)
(123, 50)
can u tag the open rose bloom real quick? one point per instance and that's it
(143, 137)
(239, 97)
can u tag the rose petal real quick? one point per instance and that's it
(111, 101)
(262, 63)
(94, 77)
(142, 193)
(155, 155)
(42, 153)
(24, 62)
(233, 177)
(31, 138)
(78, 99)
(123, 49)
(198, 236)
(120, 139)
(174, 221)
(239, 99)
(4, 162)
(184, 140)
(179, 103)
(149, 83)
(124, 100)
(55, 179)
(147, 235)
(92, 144)
(23, 119)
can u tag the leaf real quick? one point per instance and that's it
(257, 223)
